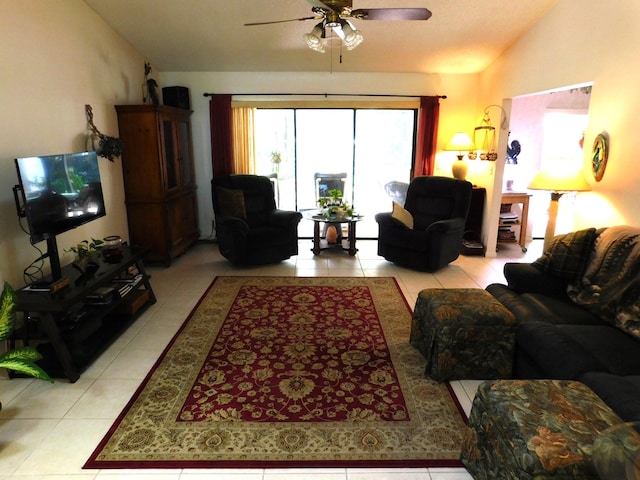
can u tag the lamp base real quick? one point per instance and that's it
(459, 169)
(550, 232)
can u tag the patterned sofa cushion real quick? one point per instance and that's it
(568, 254)
(610, 286)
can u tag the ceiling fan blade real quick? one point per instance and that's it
(392, 14)
(280, 21)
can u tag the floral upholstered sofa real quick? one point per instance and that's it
(578, 314)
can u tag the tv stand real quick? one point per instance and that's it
(73, 326)
(54, 259)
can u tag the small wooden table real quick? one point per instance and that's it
(522, 198)
(320, 244)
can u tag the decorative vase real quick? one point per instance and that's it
(459, 169)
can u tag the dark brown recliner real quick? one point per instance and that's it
(439, 206)
(249, 228)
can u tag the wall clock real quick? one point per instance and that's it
(599, 156)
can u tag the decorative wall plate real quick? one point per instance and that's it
(599, 156)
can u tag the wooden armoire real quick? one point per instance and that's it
(159, 181)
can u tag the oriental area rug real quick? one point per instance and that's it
(289, 372)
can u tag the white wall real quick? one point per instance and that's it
(57, 57)
(577, 42)
(457, 111)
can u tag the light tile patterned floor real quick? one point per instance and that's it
(47, 431)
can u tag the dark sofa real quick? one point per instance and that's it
(578, 314)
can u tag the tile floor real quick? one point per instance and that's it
(48, 430)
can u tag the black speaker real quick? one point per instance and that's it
(176, 97)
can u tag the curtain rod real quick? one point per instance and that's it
(329, 94)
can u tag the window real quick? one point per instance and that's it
(372, 146)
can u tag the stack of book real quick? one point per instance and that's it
(508, 217)
(505, 234)
(127, 283)
(101, 296)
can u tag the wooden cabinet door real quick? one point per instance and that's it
(187, 177)
(170, 156)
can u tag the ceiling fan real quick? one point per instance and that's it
(335, 15)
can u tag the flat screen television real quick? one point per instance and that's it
(57, 193)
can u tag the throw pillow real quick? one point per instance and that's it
(568, 254)
(231, 202)
(402, 215)
(610, 286)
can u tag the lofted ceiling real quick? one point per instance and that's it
(462, 36)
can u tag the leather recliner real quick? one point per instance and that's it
(250, 230)
(439, 207)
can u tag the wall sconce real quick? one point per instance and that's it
(558, 181)
(484, 136)
(461, 142)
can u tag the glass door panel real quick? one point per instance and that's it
(275, 153)
(383, 155)
(170, 154)
(372, 148)
(185, 154)
(324, 145)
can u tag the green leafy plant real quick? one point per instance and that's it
(21, 359)
(334, 206)
(86, 248)
(276, 156)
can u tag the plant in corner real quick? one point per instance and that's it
(23, 359)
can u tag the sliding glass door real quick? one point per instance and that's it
(369, 150)
(382, 166)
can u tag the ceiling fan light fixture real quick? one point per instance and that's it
(352, 36)
(314, 38)
(332, 19)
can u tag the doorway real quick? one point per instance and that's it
(549, 128)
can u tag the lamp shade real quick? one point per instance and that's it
(314, 39)
(461, 142)
(560, 180)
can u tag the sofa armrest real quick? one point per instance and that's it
(386, 221)
(284, 218)
(234, 224)
(525, 278)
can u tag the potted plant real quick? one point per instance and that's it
(21, 360)
(333, 206)
(276, 158)
(87, 253)
(107, 147)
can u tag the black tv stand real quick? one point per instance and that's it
(54, 259)
(73, 326)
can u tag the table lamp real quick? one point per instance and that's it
(461, 142)
(558, 181)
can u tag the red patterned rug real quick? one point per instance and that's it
(289, 372)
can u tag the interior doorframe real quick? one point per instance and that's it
(491, 217)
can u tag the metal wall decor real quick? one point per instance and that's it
(600, 155)
(484, 136)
